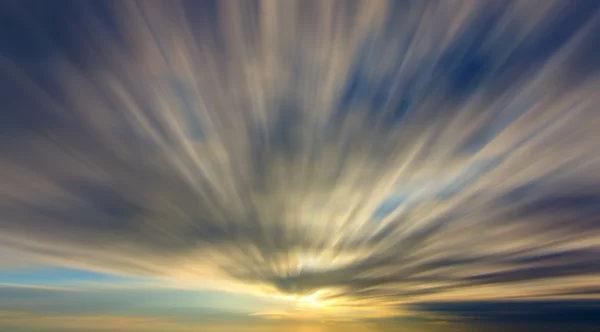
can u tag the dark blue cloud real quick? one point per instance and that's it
(518, 312)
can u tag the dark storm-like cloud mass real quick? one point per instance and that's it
(376, 154)
(529, 312)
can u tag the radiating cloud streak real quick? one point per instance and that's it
(379, 153)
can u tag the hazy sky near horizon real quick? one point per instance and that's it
(166, 164)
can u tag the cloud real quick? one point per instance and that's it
(28, 322)
(385, 154)
(515, 312)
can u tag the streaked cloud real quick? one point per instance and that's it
(356, 154)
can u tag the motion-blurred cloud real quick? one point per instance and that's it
(369, 154)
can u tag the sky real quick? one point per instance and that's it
(267, 165)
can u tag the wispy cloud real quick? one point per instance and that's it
(382, 153)
(89, 323)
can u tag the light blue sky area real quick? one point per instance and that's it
(80, 292)
(60, 276)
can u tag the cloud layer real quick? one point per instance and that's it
(371, 154)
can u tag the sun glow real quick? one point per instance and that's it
(312, 300)
(317, 299)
